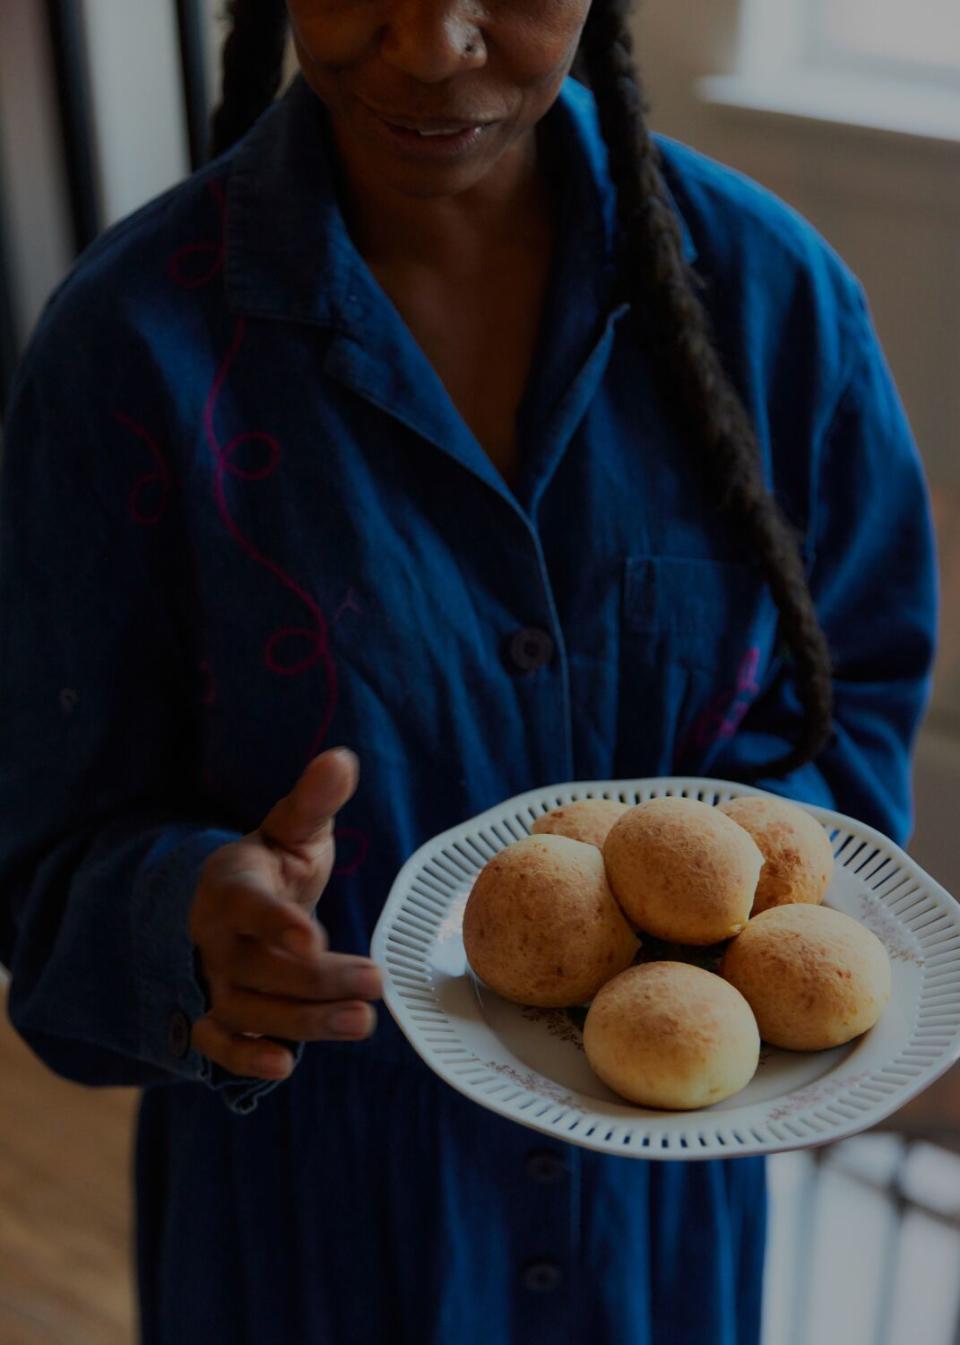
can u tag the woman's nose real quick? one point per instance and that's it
(433, 40)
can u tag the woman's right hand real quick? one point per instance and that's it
(252, 896)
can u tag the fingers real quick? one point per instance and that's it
(294, 1019)
(242, 897)
(256, 911)
(333, 1009)
(320, 976)
(265, 960)
(244, 1056)
(260, 991)
(303, 820)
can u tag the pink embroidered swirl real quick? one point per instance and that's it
(293, 649)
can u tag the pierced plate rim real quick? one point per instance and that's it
(820, 1113)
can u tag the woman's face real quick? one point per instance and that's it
(499, 63)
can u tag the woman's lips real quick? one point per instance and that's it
(429, 147)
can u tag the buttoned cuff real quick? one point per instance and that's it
(174, 993)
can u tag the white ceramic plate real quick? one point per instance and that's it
(528, 1064)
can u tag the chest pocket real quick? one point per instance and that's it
(696, 613)
(697, 641)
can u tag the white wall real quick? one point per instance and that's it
(35, 197)
(890, 205)
(139, 127)
(139, 118)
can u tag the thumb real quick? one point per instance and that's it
(303, 819)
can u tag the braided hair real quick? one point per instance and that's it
(252, 67)
(704, 398)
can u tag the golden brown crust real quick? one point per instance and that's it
(798, 857)
(814, 977)
(668, 1035)
(587, 820)
(541, 925)
(682, 870)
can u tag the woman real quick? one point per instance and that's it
(544, 451)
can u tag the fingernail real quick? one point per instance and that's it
(348, 757)
(295, 940)
(274, 1061)
(350, 760)
(352, 1021)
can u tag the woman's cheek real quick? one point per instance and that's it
(538, 69)
(541, 42)
(344, 45)
(337, 38)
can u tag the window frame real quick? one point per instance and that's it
(820, 52)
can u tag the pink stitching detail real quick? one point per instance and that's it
(318, 637)
(722, 717)
(362, 841)
(252, 474)
(162, 474)
(349, 604)
(277, 665)
(747, 672)
(175, 267)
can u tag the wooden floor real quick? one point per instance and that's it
(66, 1267)
(66, 1251)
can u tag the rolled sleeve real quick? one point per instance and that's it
(174, 991)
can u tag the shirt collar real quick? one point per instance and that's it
(288, 251)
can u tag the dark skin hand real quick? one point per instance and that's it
(253, 895)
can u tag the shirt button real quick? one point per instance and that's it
(530, 649)
(178, 1034)
(544, 1166)
(542, 1277)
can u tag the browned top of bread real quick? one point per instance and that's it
(798, 856)
(814, 976)
(587, 820)
(682, 870)
(541, 925)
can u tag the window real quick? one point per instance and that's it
(918, 38)
(884, 65)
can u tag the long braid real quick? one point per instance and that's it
(716, 418)
(252, 67)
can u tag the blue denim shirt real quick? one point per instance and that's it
(242, 520)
